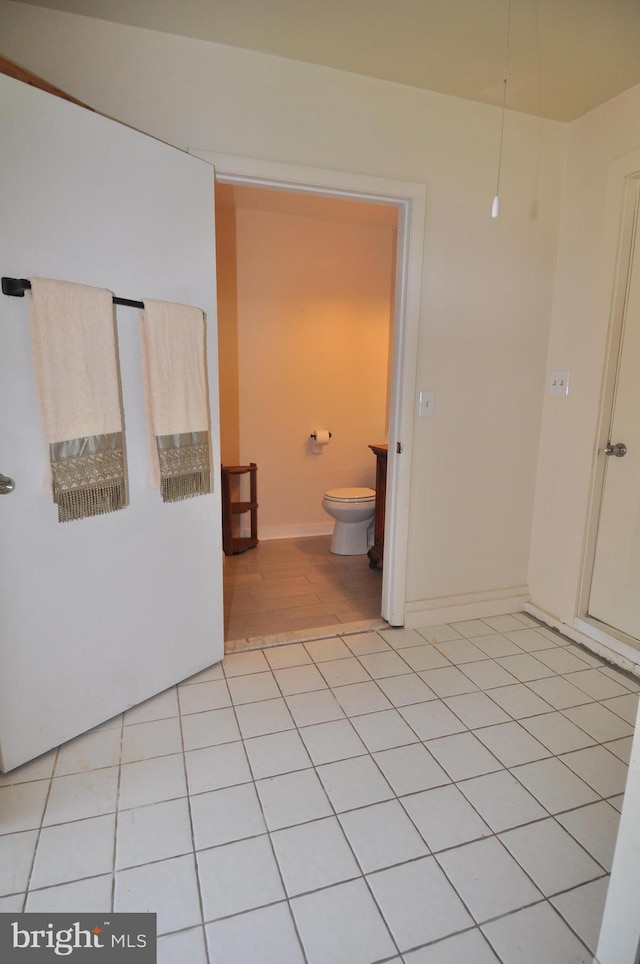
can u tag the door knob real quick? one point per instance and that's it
(619, 449)
(7, 485)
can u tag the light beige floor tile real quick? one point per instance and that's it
(476, 709)
(314, 855)
(501, 800)
(155, 832)
(89, 752)
(328, 742)
(16, 856)
(550, 856)
(293, 798)
(463, 756)
(431, 720)
(469, 946)
(281, 657)
(406, 689)
(88, 896)
(81, 795)
(209, 728)
(599, 722)
(22, 805)
(238, 876)
(582, 908)
(512, 744)
(448, 680)
(519, 701)
(444, 817)
(596, 828)
(354, 783)
(555, 785)
(266, 935)
(181, 946)
(70, 851)
(487, 878)
(536, 934)
(410, 769)
(222, 816)
(557, 733)
(342, 923)
(382, 835)
(265, 716)
(384, 730)
(167, 888)
(404, 892)
(276, 753)
(310, 708)
(599, 768)
(439, 634)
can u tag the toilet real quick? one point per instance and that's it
(353, 509)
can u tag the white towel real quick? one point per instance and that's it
(175, 383)
(76, 370)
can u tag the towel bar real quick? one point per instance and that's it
(16, 287)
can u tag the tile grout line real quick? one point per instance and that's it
(267, 832)
(196, 867)
(40, 827)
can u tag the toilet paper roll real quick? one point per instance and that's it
(322, 437)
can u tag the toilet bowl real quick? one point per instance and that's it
(353, 509)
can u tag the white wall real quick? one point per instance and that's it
(487, 285)
(578, 342)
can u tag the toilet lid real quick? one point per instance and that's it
(350, 494)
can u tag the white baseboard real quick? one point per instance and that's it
(592, 637)
(294, 532)
(475, 605)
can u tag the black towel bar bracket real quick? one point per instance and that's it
(16, 287)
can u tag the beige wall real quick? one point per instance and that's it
(487, 285)
(578, 342)
(311, 320)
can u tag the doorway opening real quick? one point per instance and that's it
(305, 326)
(409, 200)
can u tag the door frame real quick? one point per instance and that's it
(410, 200)
(621, 231)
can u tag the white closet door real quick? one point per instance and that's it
(98, 615)
(615, 586)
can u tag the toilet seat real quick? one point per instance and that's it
(353, 495)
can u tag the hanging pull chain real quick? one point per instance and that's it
(495, 208)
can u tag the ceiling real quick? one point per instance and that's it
(565, 57)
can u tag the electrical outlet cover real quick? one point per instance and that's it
(559, 383)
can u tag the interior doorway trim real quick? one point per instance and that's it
(621, 226)
(410, 200)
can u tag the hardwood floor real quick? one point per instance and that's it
(286, 589)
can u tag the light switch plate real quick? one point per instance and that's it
(559, 383)
(427, 401)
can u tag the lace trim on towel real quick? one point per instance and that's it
(88, 476)
(185, 465)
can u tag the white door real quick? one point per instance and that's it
(615, 587)
(98, 615)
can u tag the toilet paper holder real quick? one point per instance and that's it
(314, 436)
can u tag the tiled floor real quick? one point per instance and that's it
(436, 796)
(286, 585)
